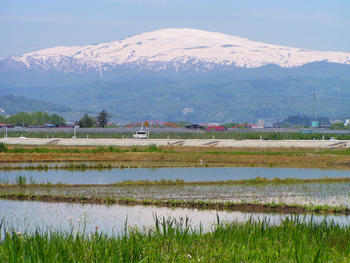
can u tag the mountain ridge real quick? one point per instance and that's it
(144, 87)
(171, 49)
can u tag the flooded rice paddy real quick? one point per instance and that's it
(331, 194)
(187, 174)
(28, 216)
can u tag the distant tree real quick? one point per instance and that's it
(40, 117)
(339, 126)
(301, 121)
(35, 118)
(22, 118)
(3, 119)
(231, 124)
(103, 118)
(57, 120)
(87, 121)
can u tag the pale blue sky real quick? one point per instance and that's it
(29, 25)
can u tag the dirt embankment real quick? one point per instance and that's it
(185, 156)
(242, 207)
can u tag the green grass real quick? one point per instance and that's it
(21, 181)
(254, 181)
(160, 149)
(71, 166)
(100, 149)
(261, 152)
(175, 241)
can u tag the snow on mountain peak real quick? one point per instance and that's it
(175, 48)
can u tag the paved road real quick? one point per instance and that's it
(179, 142)
(167, 130)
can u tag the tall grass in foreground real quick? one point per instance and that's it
(291, 241)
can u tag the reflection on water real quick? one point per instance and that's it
(28, 216)
(152, 174)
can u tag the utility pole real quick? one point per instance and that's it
(314, 122)
(75, 132)
(313, 104)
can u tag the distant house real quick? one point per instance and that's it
(49, 125)
(216, 128)
(3, 125)
(259, 125)
(194, 126)
(256, 126)
(111, 124)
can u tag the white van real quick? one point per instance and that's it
(140, 135)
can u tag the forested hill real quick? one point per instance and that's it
(13, 104)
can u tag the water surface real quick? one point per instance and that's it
(193, 174)
(29, 216)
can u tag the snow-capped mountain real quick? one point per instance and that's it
(170, 49)
(223, 78)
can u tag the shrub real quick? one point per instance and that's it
(3, 147)
(153, 148)
(21, 181)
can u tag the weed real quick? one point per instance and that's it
(21, 181)
(3, 148)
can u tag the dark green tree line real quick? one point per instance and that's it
(33, 118)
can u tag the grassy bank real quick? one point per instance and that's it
(51, 149)
(22, 182)
(182, 156)
(170, 241)
(219, 205)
